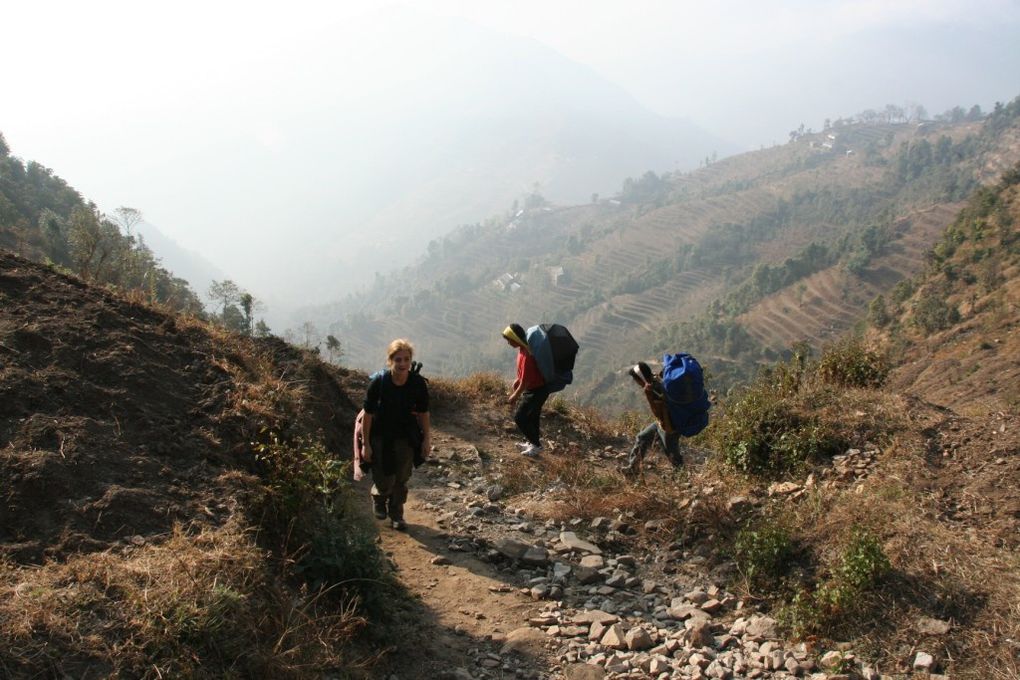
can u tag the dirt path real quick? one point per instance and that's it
(469, 609)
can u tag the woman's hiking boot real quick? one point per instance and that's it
(399, 524)
(380, 507)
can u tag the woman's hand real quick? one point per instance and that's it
(366, 452)
(426, 447)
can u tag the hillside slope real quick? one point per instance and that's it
(735, 261)
(135, 515)
(958, 325)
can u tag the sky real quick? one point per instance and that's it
(117, 97)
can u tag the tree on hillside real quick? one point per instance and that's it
(307, 336)
(535, 199)
(51, 228)
(137, 264)
(249, 305)
(878, 313)
(4, 149)
(916, 112)
(94, 242)
(649, 187)
(226, 293)
(237, 306)
(334, 350)
(233, 319)
(127, 218)
(894, 114)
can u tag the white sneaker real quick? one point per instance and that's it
(523, 445)
(531, 451)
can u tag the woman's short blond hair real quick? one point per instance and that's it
(398, 345)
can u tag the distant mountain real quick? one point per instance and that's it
(735, 262)
(408, 134)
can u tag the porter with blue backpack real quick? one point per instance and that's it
(679, 401)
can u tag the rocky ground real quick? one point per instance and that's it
(529, 598)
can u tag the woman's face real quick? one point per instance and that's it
(400, 362)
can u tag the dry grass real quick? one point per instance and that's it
(587, 422)
(202, 605)
(939, 570)
(475, 388)
(204, 602)
(471, 388)
(260, 395)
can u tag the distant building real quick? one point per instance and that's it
(504, 281)
(514, 287)
(557, 276)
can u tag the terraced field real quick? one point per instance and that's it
(608, 247)
(828, 303)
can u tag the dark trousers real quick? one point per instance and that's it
(645, 438)
(529, 412)
(392, 489)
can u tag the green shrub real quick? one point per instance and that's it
(932, 312)
(864, 563)
(762, 433)
(878, 313)
(860, 569)
(762, 554)
(310, 495)
(851, 364)
(301, 471)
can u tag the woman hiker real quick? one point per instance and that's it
(396, 430)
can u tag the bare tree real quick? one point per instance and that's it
(127, 219)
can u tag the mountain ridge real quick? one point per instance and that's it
(646, 271)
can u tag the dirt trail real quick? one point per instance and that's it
(469, 606)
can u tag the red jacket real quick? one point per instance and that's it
(527, 371)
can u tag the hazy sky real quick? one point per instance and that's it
(115, 96)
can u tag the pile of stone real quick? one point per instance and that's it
(852, 466)
(692, 640)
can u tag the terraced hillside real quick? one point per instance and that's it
(736, 261)
(960, 324)
(828, 303)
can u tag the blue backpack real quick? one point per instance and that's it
(684, 384)
(554, 349)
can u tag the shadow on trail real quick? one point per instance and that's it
(449, 614)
